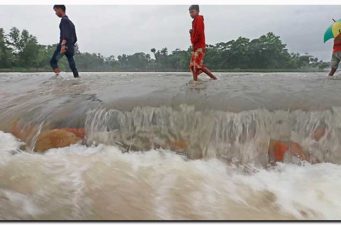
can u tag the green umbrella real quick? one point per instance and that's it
(333, 31)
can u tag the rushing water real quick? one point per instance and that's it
(160, 147)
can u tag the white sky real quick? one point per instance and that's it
(114, 30)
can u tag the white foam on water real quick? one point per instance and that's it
(101, 182)
(8, 142)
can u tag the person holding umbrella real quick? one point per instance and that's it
(334, 31)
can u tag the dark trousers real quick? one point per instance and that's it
(69, 55)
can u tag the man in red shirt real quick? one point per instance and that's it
(198, 44)
(336, 57)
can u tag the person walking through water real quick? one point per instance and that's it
(336, 56)
(198, 44)
(66, 45)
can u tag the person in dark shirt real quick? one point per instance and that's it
(67, 41)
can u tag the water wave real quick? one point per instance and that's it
(101, 182)
(234, 137)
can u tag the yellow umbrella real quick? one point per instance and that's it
(333, 31)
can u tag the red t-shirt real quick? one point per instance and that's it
(337, 44)
(198, 33)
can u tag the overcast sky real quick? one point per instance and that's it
(114, 30)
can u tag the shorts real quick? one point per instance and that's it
(336, 58)
(197, 60)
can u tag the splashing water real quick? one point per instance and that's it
(79, 182)
(234, 137)
(158, 148)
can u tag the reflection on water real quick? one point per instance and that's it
(211, 143)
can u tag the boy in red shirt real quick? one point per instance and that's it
(336, 57)
(198, 44)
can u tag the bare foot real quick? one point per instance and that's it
(56, 71)
(332, 72)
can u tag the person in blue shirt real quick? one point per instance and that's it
(67, 41)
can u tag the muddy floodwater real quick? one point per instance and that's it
(156, 146)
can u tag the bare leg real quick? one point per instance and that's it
(195, 76)
(332, 71)
(208, 72)
(194, 73)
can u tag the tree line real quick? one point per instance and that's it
(20, 51)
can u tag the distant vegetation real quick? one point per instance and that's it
(20, 51)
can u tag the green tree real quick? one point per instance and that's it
(29, 50)
(5, 53)
(25, 48)
(20, 49)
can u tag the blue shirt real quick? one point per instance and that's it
(67, 31)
